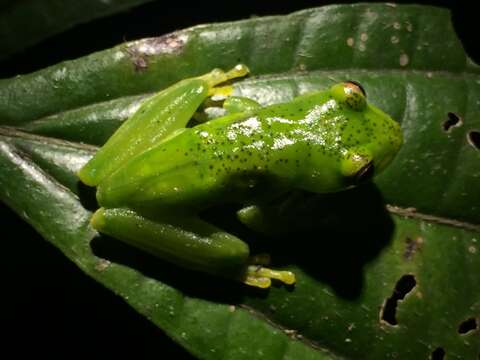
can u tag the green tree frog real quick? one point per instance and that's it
(154, 175)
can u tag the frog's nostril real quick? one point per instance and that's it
(356, 85)
(366, 172)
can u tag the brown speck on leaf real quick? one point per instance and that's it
(411, 247)
(139, 51)
(139, 61)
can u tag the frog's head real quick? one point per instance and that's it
(360, 139)
(369, 138)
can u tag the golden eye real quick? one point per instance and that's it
(354, 95)
(356, 87)
(351, 94)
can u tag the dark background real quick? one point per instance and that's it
(50, 308)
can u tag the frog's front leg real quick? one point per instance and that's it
(189, 242)
(231, 105)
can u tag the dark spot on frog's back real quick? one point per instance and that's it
(139, 51)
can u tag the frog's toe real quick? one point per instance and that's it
(218, 76)
(260, 276)
(239, 70)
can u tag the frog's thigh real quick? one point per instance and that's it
(157, 117)
(186, 241)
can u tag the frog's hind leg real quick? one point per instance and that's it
(189, 242)
(183, 240)
(157, 117)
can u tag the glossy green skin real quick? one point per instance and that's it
(316, 143)
(320, 142)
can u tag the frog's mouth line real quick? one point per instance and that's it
(366, 172)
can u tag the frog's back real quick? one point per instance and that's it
(316, 142)
(232, 158)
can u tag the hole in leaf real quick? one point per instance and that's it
(467, 325)
(402, 288)
(453, 120)
(438, 354)
(473, 138)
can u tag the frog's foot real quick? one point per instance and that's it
(218, 94)
(218, 76)
(260, 276)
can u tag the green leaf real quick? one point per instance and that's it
(374, 281)
(50, 17)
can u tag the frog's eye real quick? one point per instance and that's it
(351, 94)
(355, 86)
